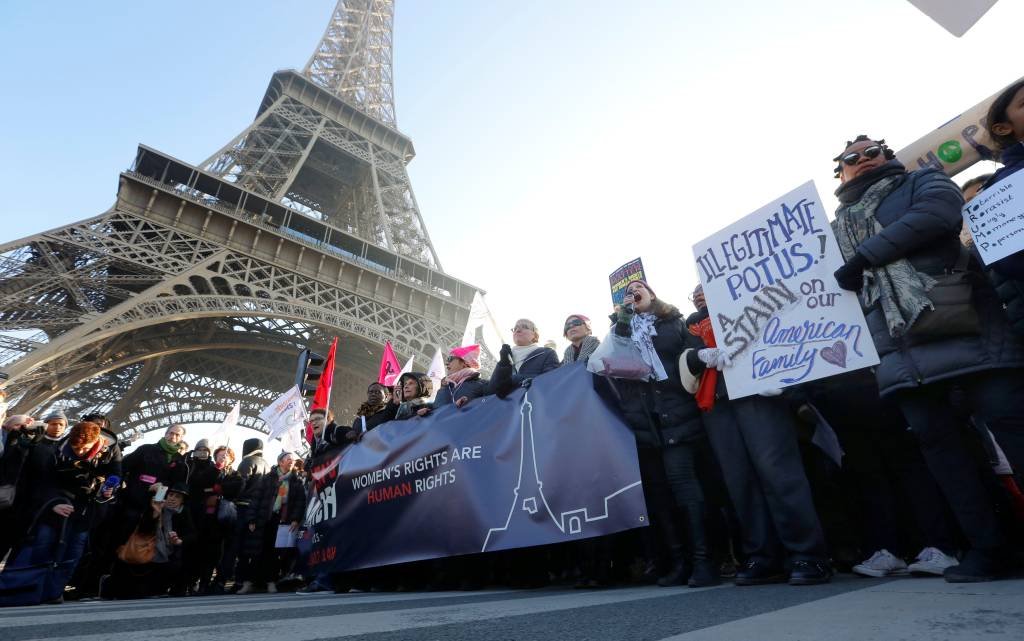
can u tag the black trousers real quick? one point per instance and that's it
(754, 440)
(994, 399)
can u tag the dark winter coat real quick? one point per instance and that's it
(540, 360)
(260, 509)
(472, 387)
(662, 413)
(377, 419)
(921, 222)
(1007, 274)
(72, 480)
(252, 469)
(144, 466)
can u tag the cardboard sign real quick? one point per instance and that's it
(774, 303)
(995, 218)
(623, 276)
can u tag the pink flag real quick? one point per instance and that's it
(389, 367)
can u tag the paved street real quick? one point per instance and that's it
(847, 610)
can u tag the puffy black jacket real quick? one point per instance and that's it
(505, 375)
(921, 222)
(662, 413)
(261, 508)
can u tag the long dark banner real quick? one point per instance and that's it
(547, 464)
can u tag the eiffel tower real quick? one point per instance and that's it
(201, 284)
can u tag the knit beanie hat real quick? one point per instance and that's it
(203, 444)
(469, 354)
(56, 415)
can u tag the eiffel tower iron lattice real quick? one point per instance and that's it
(201, 284)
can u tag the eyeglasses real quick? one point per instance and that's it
(178, 434)
(573, 323)
(870, 152)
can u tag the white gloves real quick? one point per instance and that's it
(715, 357)
(771, 392)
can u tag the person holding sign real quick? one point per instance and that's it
(934, 326)
(754, 440)
(1005, 121)
(667, 425)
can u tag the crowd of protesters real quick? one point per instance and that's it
(931, 440)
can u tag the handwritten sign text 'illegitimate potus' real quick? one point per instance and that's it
(774, 304)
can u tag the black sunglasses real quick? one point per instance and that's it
(573, 323)
(870, 152)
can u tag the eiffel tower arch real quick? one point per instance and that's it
(201, 284)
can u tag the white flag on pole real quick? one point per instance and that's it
(223, 433)
(437, 370)
(284, 414)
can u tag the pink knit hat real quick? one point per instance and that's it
(470, 355)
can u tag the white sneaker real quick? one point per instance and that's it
(247, 588)
(271, 587)
(932, 561)
(881, 563)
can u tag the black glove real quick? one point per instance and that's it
(624, 321)
(505, 355)
(851, 275)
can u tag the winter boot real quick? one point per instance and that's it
(680, 571)
(705, 570)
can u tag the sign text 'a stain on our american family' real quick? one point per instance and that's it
(774, 303)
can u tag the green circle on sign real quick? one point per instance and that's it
(950, 151)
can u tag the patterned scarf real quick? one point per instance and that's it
(587, 348)
(281, 500)
(643, 330)
(901, 290)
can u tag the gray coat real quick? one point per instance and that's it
(921, 222)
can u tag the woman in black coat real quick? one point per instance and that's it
(523, 360)
(899, 233)
(280, 500)
(667, 424)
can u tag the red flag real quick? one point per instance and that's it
(322, 397)
(389, 367)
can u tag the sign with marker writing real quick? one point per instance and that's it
(995, 218)
(773, 301)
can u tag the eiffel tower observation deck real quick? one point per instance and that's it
(201, 284)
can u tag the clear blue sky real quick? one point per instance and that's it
(556, 139)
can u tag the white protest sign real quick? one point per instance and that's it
(995, 218)
(773, 301)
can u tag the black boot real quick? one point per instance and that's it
(705, 570)
(680, 570)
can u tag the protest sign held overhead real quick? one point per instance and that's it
(623, 276)
(285, 414)
(995, 218)
(773, 301)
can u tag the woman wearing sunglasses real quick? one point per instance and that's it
(582, 342)
(899, 235)
(522, 360)
(667, 426)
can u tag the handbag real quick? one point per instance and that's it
(139, 549)
(7, 493)
(619, 357)
(954, 313)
